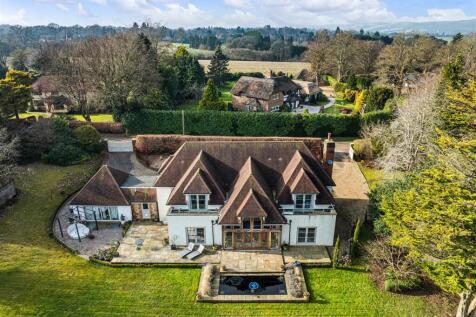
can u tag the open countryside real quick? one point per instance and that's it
(291, 68)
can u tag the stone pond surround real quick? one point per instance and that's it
(293, 276)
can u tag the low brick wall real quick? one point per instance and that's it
(102, 127)
(7, 192)
(169, 143)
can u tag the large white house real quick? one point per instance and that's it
(234, 194)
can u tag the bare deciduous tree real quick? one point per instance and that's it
(411, 135)
(317, 55)
(368, 52)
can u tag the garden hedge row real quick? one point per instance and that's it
(377, 116)
(246, 123)
(240, 123)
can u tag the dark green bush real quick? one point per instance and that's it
(376, 98)
(65, 154)
(240, 123)
(87, 136)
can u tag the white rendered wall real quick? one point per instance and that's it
(177, 228)
(163, 194)
(125, 211)
(324, 224)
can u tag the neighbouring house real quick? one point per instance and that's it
(47, 96)
(265, 94)
(234, 194)
(308, 89)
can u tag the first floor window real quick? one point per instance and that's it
(198, 202)
(195, 235)
(303, 201)
(306, 235)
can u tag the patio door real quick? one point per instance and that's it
(145, 211)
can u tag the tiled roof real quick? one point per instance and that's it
(249, 179)
(269, 170)
(303, 184)
(202, 162)
(103, 189)
(251, 207)
(198, 184)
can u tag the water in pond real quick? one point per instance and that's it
(250, 285)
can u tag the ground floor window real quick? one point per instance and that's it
(195, 235)
(306, 235)
(101, 212)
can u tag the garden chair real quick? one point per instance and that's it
(188, 250)
(197, 253)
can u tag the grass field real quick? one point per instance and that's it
(38, 277)
(263, 67)
(94, 117)
(195, 51)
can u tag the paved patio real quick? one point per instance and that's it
(314, 255)
(107, 235)
(154, 247)
(245, 261)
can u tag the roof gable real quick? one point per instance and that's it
(303, 184)
(249, 178)
(208, 176)
(102, 189)
(197, 184)
(251, 207)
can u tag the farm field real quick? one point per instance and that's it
(94, 117)
(195, 51)
(262, 66)
(38, 277)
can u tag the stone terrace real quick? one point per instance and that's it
(154, 247)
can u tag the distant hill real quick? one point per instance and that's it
(434, 28)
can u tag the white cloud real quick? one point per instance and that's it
(100, 2)
(62, 7)
(238, 3)
(242, 18)
(13, 18)
(446, 15)
(82, 10)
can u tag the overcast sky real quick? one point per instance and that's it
(228, 13)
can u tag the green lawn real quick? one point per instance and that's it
(38, 277)
(339, 104)
(94, 117)
(372, 175)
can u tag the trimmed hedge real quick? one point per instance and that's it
(377, 116)
(240, 123)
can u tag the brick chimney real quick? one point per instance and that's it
(328, 155)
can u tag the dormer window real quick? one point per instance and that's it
(197, 202)
(303, 201)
